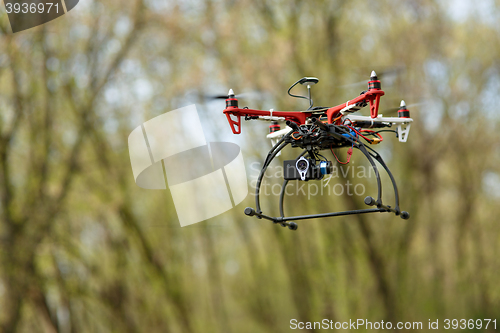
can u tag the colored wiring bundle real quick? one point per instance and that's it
(349, 151)
(294, 137)
(369, 132)
(297, 135)
(349, 155)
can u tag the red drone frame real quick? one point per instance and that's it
(372, 96)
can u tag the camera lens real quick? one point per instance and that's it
(302, 165)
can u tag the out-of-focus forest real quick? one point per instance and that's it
(84, 249)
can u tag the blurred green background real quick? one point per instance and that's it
(83, 249)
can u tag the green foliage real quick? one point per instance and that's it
(82, 248)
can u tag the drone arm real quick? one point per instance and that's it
(403, 124)
(334, 112)
(235, 124)
(230, 112)
(372, 96)
(374, 103)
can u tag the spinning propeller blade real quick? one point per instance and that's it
(388, 73)
(249, 94)
(390, 111)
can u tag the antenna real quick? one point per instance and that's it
(309, 81)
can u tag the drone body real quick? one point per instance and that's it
(321, 128)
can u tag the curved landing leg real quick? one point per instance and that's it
(285, 221)
(404, 215)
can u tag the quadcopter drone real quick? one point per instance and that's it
(324, 128)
